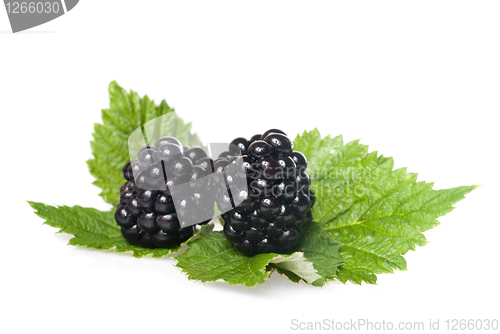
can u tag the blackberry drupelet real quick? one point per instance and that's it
(268, 215)
(147, 213)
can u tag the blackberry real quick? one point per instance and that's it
(268, 214)
(147, 211)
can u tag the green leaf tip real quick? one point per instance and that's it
(376, 213)
(96, 229)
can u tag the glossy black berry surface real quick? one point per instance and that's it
(238, 146)
(147, 211)
(269, 214)
(281, 144)
(259, 149)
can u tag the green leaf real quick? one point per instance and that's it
(128, 112)
(213, 258)
(298, 265)
(96, 229)
(322, 251)
(291, 276)
(378, 214)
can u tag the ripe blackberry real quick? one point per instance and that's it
(267, 215)
(147, 211)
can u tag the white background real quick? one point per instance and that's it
(418, 81)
